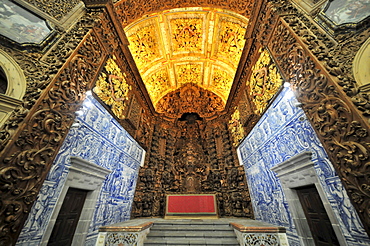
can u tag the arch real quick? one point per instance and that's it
(16, 86)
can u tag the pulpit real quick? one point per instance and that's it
(191, 206)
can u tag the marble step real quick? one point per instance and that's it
(191, 233)
(207, 241)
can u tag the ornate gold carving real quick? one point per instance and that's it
(231, 41)
(190, 99)
(129, 11)
(189, 73)
(222, 83)
(185, 157)
(187, 34)
(186, 43)
(112, 88)
(236, 128)
(144, 46)
(157, 84)
(264, 82)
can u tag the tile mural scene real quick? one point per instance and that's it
(97, 138)
(281, 133)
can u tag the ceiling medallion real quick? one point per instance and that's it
(199, 46)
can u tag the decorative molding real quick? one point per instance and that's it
(83, 175)
(7, 105)
(330, 111)
(95, 3)
(41, 135)
(14, 74)
(299, 171)
(361, 65)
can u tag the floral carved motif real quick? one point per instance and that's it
(186, 34)
(27, 162)
(144, 46)
(264, 82)
(129, 11)
(343, 132)
(157, 84)
(112, 88)
(189, 73)
(190, 99)
(231, 41)
(222, 82)
(57, 9)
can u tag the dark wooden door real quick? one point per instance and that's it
(317, 218)
(69, 214)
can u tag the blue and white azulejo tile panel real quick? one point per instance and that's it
(281, 133)
(99, 139)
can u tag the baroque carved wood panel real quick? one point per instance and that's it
(342, 130)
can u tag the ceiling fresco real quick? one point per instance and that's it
(198, 46)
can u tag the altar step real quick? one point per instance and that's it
(191, 232)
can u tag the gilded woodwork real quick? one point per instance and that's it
(112, 88)
(57, 8)
(318, 68)
(194, 45)
(264, 82)
(231, 41)
(337, 122)
(222, 82)
(189, 99)
(186, 34)
(236, 128)
(27, 162)
(128, 11)
(192, 155)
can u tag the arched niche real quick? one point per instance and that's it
(15, 88)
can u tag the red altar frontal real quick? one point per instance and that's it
(191, 205)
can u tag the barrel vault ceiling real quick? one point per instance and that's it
(177, 47)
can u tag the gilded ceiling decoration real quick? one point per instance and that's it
(200, 46)
(188, 99)
(264, 82)
(112, 88)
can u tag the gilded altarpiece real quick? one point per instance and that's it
(192, 155)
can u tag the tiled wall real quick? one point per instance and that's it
(101, 140)
(281, 133)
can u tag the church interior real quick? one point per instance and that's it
(111, 108)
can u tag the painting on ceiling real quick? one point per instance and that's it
(347, 11)
(20, 25)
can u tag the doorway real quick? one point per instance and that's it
(317, 218)
(68, 217)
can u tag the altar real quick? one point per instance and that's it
(191, 206)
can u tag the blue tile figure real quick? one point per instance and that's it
(98, 139)
(281, 133)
